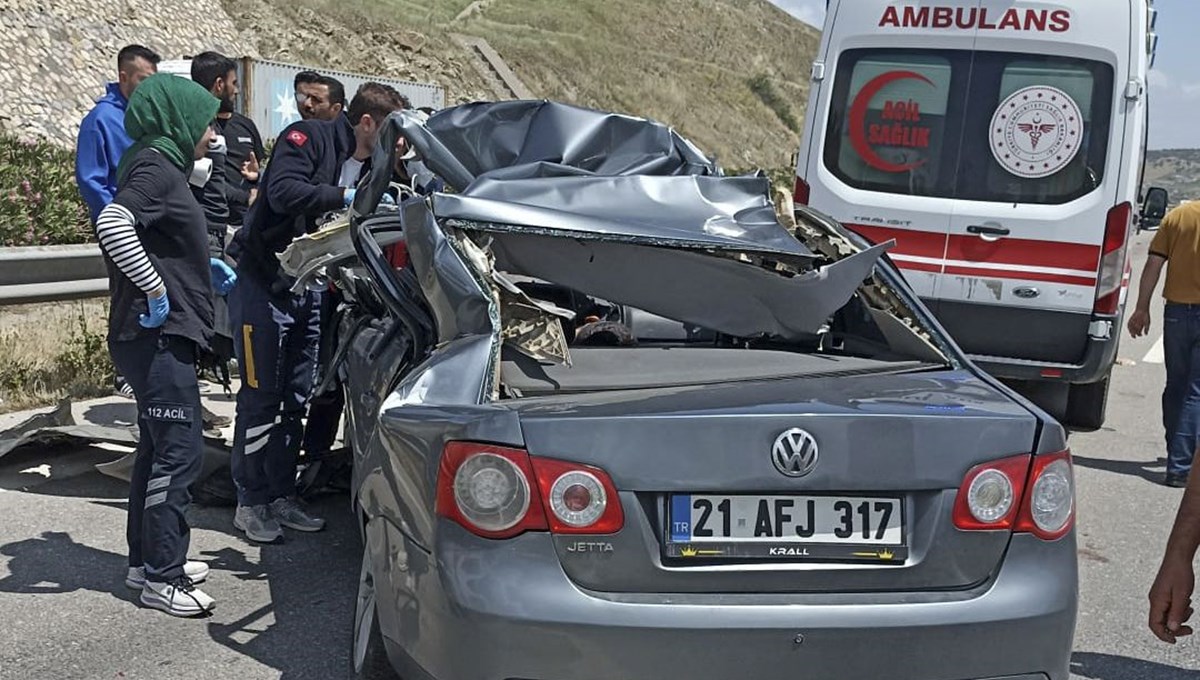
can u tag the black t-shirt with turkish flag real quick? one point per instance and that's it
(171, 227)
(299, 185)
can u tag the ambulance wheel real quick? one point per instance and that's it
(1087, 405)
(368, 657)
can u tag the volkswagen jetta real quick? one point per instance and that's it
(614, 415)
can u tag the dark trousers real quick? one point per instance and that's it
(325, 410)
(1181, 396)
(275, 341)
(161, 369)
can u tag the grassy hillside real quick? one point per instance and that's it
(1176, 170)
(730, 74)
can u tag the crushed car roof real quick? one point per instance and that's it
(613, 206)
(575, 172)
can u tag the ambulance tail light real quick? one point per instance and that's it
(1112, 259)
(802, 192)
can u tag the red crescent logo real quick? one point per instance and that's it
(858, 120)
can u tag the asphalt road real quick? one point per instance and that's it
(284, 611)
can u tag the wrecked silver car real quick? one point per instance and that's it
(617, 416)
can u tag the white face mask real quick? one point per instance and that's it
(201, 171)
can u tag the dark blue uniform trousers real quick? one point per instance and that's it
(161, 369)
(325, 410)
(276, 341)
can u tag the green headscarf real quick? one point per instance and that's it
(168, 113)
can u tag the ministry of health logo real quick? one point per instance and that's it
(1036, 131)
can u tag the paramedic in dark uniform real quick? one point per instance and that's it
(276, 331)
(162, 281)
(325, 409)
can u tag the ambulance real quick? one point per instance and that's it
(1000, 144)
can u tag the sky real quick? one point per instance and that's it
(1174, 81)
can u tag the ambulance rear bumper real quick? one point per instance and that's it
(1100, 353)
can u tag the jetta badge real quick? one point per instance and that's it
(795, 453)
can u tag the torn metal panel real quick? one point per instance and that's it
(58, 426)
(87, 434)
(463, 371)
(458, 294)
(725, 295)
(310, 258)
(533, 327)
(452, 273)
(732, 214)
(904, 327)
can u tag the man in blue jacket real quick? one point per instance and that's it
(313, 171)
(102, 137)
(103, 140)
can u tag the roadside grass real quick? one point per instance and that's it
(686, 63)
(54, 350)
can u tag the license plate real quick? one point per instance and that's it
(866, 528)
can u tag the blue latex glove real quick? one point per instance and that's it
(387, 199)
(223, 277)
(159, 308)
(348, 196)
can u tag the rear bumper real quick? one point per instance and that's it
(499, 610)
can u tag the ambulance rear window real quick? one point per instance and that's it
(890, 132)
(986, 126)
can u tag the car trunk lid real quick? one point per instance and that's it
(905, 438)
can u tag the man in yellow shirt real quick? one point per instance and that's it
(1176, 245)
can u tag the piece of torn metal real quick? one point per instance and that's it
(729, 214)
(58, 426)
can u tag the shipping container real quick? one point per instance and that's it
(269, 100)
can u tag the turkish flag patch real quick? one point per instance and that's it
(297, 137)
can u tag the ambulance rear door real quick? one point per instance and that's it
(1037, 178)
(885, 136)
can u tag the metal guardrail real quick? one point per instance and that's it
(51, 274)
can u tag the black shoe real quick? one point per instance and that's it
(1175, 481)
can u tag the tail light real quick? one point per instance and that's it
(990, 496)
(488, 490)
(1112, 259)
(501, 492)
(1048, 511)
(1010, 494)
(802, 192)
(579, 499)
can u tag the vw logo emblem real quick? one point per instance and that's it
(794, 453)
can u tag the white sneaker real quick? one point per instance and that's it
(135, 578)
(177, 598)
(258, 524)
